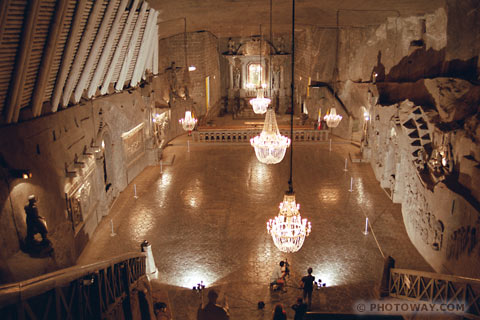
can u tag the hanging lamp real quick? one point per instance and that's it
(270, 146)
(188, 122)
(332, 118)
(288, 229)
(260, 103)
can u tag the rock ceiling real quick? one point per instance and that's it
(234, 18)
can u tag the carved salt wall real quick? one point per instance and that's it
(420, 166)
(79, 165)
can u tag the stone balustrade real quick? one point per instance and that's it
(244, 135)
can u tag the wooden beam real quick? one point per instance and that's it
(131, 48)
(144, 48)
(118, 50)
(151, 47)
(94, 51)
(68, 54)
(106, 50)
(21, 64)
(81, 53)
(48, 55)
(3, 17)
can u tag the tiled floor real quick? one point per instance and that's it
(205, 216)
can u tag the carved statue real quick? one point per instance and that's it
(35, 223)
(172, 80)
(281, 45)
(231, 46)
(276, 78)
(236, 77)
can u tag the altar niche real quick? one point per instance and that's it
(249, 70)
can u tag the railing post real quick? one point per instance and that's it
(385, 284)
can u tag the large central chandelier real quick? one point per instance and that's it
(188, 122)
(288, 229)
(270, 146)
(260, 103)
(332, 118)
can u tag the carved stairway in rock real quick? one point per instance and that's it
(117, 288)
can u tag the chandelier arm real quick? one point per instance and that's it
(290, 182)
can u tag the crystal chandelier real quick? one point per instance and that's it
(288, 229)
(270, 145)
(189, 122)
(332, 118)
(260, 103)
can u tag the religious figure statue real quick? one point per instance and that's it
(231, 46)
(276, 78)
(172, 80)
(281, 45)
(36, 224)
(236, 78)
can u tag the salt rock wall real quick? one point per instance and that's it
(80, 159)
(429, 165)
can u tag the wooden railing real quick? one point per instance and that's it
(437, 288)
(244, 135)
(97, 291)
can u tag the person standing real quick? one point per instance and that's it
(300, 309)
(307, 285)
(279, 313)
(212, 311)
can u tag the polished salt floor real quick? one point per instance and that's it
(205, 217)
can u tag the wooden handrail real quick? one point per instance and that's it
(437, 276)
(19, 291)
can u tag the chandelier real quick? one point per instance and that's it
(288, 229)
(260, 103)
(270, 146)
(332, 118)
(189, 122)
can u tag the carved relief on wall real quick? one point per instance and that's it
(425, 223)
(134, 144)
(464, 240)
(81, 200)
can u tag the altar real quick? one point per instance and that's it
(253, 65)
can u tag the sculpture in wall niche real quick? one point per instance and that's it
(171, 73)
(281, 45)
(36, 228)
(236, 77)
(463, 240)
(231, 46)
(276, 77)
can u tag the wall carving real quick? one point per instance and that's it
(81, 199)
(134, 144)
(464, 240)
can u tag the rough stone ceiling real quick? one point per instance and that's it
(233, 18)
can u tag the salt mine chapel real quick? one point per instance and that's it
(239, 159)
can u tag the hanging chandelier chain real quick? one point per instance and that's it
(290, 182)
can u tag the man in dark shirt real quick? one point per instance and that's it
(307, 285)
(300, 309)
